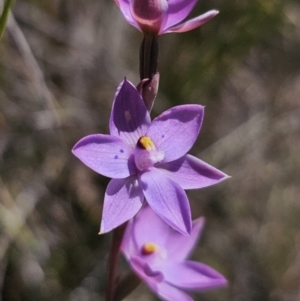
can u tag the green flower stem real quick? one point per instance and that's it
(4, 16)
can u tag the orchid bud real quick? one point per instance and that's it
(149, 14)
(148, 90)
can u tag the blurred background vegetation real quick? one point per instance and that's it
(60, 64)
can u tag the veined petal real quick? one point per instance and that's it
(192, 275)
(106, 155)
(167, 199)
(191, 173)
(128, 246)
(180, 246)
(123, 199)
(178, 10)
(175, 131)
(170, 293)
(147, 225)
(124, 6)
(130, 118)
(193, 23)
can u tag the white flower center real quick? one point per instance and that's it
(146, 154)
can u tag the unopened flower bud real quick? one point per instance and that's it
(148, 90)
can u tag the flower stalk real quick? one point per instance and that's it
(113, 261)
(126, 286)
(148, 56)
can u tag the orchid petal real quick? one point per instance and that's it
(123, 199)
(191, 173)
(175, 131)
(146, 226)
(106, 155)
(193, 23)
(144, 270)
(169, 292)
(180, 246)
(178, 10)
(128, 246)
(130, 118)
(167, 199)
(192, 275)
(124, 5)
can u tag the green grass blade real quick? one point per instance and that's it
(3, 19)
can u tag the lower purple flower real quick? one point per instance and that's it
(147, 160)
(158, 255)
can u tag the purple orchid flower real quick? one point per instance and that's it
(162, 16)
(147, 159)
(158, 255)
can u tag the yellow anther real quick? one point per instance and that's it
(149, 248)
(146, 143)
